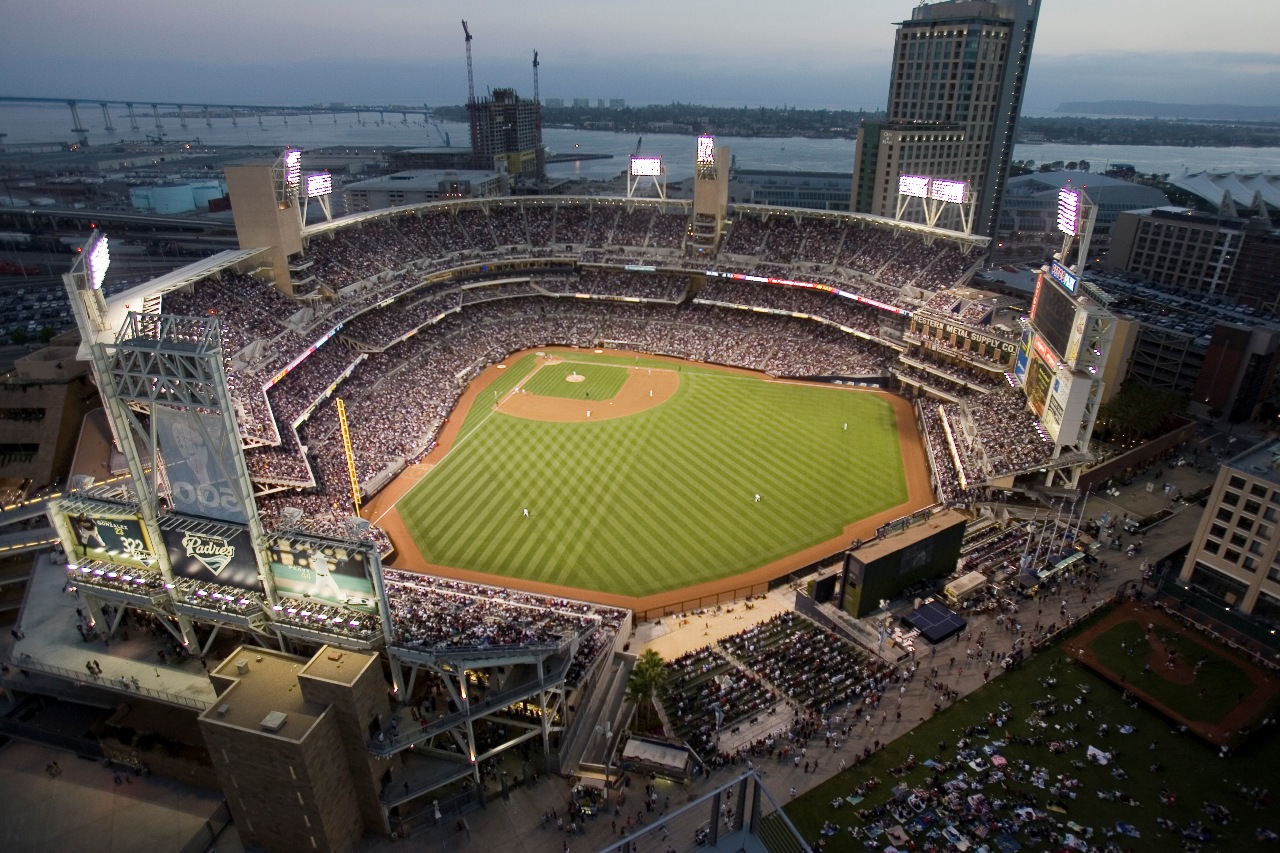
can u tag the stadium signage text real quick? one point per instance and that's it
(1063, 276)
(964, 332)
(212, 551)
(825, 288)
(1046, 353)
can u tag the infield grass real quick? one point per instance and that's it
(1218, 687)
(661, 499)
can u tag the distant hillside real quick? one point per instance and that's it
(1152, 109)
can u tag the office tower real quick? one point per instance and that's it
(959, 72)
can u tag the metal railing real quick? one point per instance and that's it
(113, 683)
(209, 832)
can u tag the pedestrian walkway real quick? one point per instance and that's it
(53, 801)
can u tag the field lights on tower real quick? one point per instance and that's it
(706, 150)
(320, 183)
(292, 167)
(915, 186)
(1069, 211)
(648, 167)
(97, 260)
(955, 192)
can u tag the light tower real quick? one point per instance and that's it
(936, 195)
(1062, 365)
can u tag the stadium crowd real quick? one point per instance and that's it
(786, 667)
(404, 301)
(429, 612)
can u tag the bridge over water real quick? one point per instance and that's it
(137, 111)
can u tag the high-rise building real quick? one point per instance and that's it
(1234, 560)
(959, 72)
(506, 128)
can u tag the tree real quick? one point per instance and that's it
(648, 677)
(1138, 411)
(18, 336)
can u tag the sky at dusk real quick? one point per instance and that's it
(805, 53)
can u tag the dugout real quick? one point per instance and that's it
(963, 587)
(887, 566)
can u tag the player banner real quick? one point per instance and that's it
(217, 559)
(112, 540)
(199, 462)
(332, 572)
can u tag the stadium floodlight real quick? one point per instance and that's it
(955, 192)
(1069, 211)
(706, 151)
(97, 259)
(915, 186)
(318, 184)
(292, 167)
(650, 167)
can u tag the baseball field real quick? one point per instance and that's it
(633, 475)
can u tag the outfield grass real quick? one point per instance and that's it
(664, 498)
(1187, 766)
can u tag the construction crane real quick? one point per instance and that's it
(536, 99)
(471, 79)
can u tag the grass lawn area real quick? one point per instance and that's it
(1188, 767)
(1218, 683)
(664, 498)
(599, 381)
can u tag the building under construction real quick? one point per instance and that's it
(506, 131)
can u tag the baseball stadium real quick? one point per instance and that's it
(474, 442)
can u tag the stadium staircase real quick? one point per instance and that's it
(605, 705)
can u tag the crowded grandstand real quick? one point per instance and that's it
(422, 300)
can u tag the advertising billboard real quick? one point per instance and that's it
(329, 570)
(203, 556)
(1039, 380)
(199, 463)
(111, 540)
(1063, 276)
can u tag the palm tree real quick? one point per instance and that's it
(648, 677)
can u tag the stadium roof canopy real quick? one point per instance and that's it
(1244, 187)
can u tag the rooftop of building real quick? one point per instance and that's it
(266, 688)
(1261, 462)
(1244, 188)
(913, 534)
(1100, 188)
(422, 179)
(338, 665)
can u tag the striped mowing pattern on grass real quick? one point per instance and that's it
(665, 498)
(596, 381)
